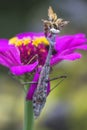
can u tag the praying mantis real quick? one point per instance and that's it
(51, 30)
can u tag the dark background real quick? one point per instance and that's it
(66, 107)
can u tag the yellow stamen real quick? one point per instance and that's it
(13, 40)
(18, 42)
(26, 40)
(37, 41)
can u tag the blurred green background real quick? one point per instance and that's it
(66, 107)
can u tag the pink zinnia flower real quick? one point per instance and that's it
(27, 52)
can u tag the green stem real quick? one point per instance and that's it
(28, 115)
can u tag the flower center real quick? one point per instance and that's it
(26, 40)
(36, 41)
(31, 49)
(19, 42)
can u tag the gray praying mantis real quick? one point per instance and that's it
(51, 29)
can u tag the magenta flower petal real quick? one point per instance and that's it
(3, 43)
(62, 42)
(82, 47)
(29, 34)
(20, 70)
(66, 45)
(72, 56)
(71, 50)
(58, 58)
(69, 41)
(33, 87)
(78, 39)
(55, 60)
(4, 61)
(9, 54)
